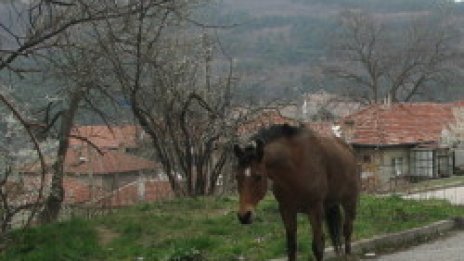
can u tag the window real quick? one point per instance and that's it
(397, 166)
(422, 163)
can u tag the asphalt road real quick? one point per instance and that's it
(449, 248)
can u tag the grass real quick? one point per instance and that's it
(205, 229)
(72, 240)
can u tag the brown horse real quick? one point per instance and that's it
(310, 174)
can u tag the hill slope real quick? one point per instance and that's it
(276, 42)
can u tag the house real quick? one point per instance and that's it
(26, 190)
(109, 169)
(111, 179)
(125, 137)
(402, 140)
(137, 192)
(81, 194)
(99, 157)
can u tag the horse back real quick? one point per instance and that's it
(313, 167)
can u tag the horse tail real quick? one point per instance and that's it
(333, 218)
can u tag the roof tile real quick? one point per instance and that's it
(88, 161)
(399, 123)
(104, 137)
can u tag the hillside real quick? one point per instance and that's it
(277, 42)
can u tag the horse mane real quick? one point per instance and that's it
(276, 131)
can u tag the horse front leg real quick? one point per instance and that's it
(290, 223)
(316, 217)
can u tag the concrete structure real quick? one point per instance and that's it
(402, 140)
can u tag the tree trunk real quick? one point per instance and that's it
(54, 200)
(200, 181)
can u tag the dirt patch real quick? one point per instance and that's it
(105, 235)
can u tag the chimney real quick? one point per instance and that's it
(387, 100)
(348, 130)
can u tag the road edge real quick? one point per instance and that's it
(401, 239)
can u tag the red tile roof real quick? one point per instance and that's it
(104, 137)
(79, 162)
(399, 123)
(137, 192)
(89, 161)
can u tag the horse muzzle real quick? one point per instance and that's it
(245, 218)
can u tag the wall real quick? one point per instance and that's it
(376, 164)
(110, 182)
(117, 180)
(379, 162)
(459, 157)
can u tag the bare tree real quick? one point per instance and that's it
(165, 66)
(397, 60)
(34, 30)
(143, 48)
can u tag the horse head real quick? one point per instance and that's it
(251, 178)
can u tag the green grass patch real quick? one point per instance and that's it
(72, 240)
(207, 229)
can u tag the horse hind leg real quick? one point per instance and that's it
(350, 215)
(333, 219)
(316, 216)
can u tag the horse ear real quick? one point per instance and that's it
(259, 149)
(238, 151)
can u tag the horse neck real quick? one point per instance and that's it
(275, 165)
